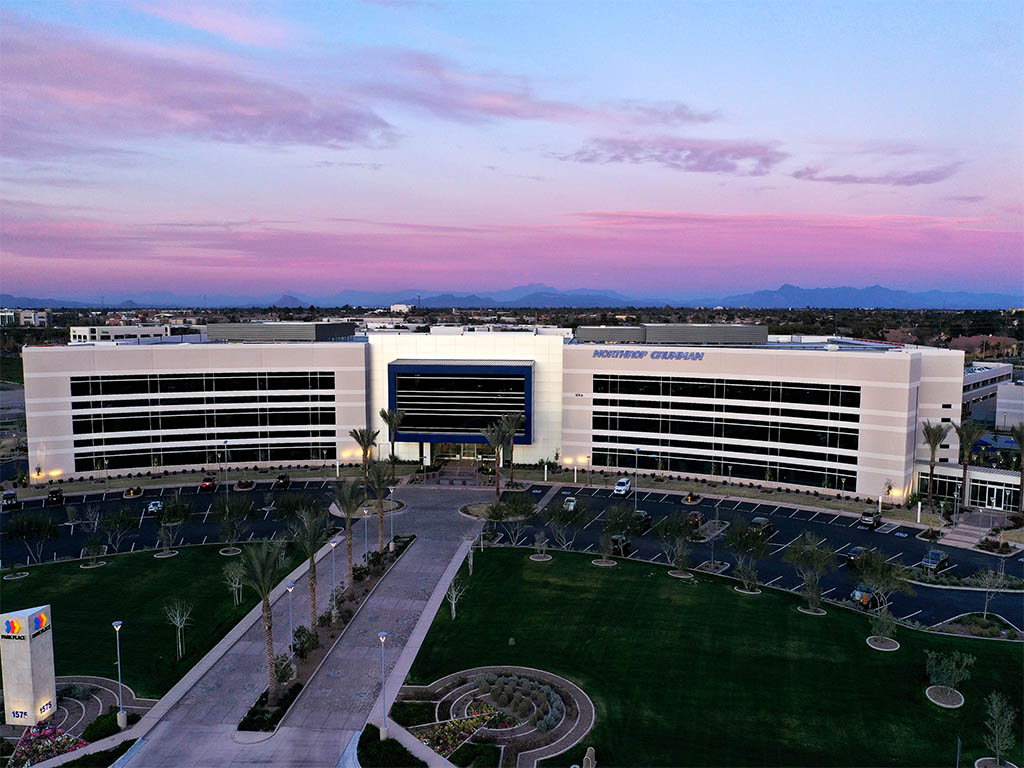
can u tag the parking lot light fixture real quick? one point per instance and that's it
(334, 573)
(383, 703)
(391, 518)
(225, 467)
(122, 716)
(291, 631)
(636, 475)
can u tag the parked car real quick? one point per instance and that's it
(854, 554)
(154, 508)
(934, 560)
(621, 545)
(208, 484)
(640, 523)
(864, 597)
(622, 487)
(55, 496)
(697, 518)
(569, 503)
(871, 518)
(282, 482)
(762, 525)
(10, 499)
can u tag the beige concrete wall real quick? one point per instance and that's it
(48, 372)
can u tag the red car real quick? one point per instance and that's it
(208, 483)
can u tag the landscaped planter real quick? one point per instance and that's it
(990, 762)
(540, 558)
(880, 643)
(165, 555)
(16, 576)
(684, 575)
(945, 697)
(811, 611)
(229, 551)
(603, 562)
(745, 591)
(99, 564)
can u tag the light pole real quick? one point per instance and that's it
(842, 496)
(636, 475)
(590, 472)
(122, 716)
(334, 573)
(383, 704)
(391, 519)
(323, 463)
(366, 541)
(106, 477)
(225, 467)
(730, 474)
(291, 632)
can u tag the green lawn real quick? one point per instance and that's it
(11, 370)
(133, 588)
(697, 675)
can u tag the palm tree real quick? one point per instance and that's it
(969, 433)
(379, 483)
(366, 438)
(348, 498)
(1017, 433)
(934, 434)
(497, 436)
(512, 422)
(311, 531)
(394, 420)
(261, 570)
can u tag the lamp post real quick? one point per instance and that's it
(106, 476)
(225, 467)
(291, 632)
(730, 474)
(842, 496)
(391, 520)
(366, 541)
(334, 573)
(383, 704)
(122, 716)
(323, 463)
(590, 471)
(636, 475)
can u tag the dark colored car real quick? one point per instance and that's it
(208, 483)
(640, 523)
(854, 554)
(621, 545)
(872, 518)
(762, 525)
(934, 560)
(55, 496)
(697, 518)
(10, 500)
(282, 482)
(864, 597)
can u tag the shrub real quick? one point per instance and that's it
(502, 700)
(106, 724)
(283, 669)
(304, 641)
(374, 753)
(948, 669)
(324, 619)
(75, 691)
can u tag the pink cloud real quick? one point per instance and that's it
(741, 158)
(223, 22)
(64, 93)
(893, 179)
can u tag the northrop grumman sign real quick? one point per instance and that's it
(640, 354)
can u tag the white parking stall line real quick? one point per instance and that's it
(598, 517)
(794, 589)
(774, 534)
(655, 557)
(133, 547)
(855, 521)
(769, 583)
(273, 535)
(786, 545)
(267, 514)
(142, 517)
(251, 535)
(205, 538)
(813, 516)
(950, 568)
(915, 565)
(833, 520)
(587, 548)
(162, 491)
(663, 498)
(893, 558)
(831, 589)
(634, 553)
(841, 565)
(794, 512)
(207, 512)
(911, 614)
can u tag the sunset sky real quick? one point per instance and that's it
(679, 148)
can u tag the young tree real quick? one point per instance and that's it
(311, 531)
(883, 623)
(748, 546)
(93, 548)
(455, 592)
(394, 420)
(116, 525)
(512, 423)
(948, 669)
(969, 433)
(496, 436)
(812, 558)
(366, 438)
(379, 483)
(261, 570)
(1000, 723)
(34, 530)
(233, 577)
(934, 435)
(540, 542)
(673, 533)
(565, 524)
(178, 612)
(993, 582)
(349, 498)
(233, 512)
(73, 516)
(882, 578)
(167, 534)
(516, 514)
(92, 517)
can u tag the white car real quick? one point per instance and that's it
(154, 507)
(569, 504)
(622, 487)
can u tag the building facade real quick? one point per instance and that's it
(836, 414)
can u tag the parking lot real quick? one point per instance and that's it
(928, 605)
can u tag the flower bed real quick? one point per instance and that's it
(496, 717)
(41, 742)
(444, 738)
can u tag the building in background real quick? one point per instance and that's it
(1009, 405)
(980, 383)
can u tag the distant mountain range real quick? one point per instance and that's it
(544, 296)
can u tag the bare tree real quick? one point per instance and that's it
(469, 561)
(993, 582)
(93, 548)
(73, 516)
(883, 578)
(34, 530)
(116, 526)
(168, 534)
(178, 612)
(92, 517)
(565, 524)
(1000, 724)
(234, 577)
(455, 592)
(812, 558)
(540, 542)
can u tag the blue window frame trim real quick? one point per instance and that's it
(437, 437)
